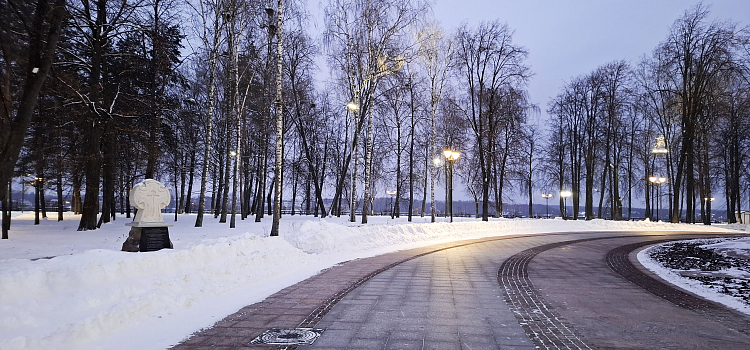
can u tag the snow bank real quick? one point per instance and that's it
(738, 246)
(86, 294)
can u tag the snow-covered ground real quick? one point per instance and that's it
(727, 285)
(64, 289)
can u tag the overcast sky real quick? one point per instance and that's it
(573, 37)
(569, 38)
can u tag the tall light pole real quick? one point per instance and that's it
(436, 163)
(660, 148)
(657, 181)
(353, 107)
(707, 206)
(450, 156)
(565, 194)
(547, 196)
(392, 204)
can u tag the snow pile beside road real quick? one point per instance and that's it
(97, 297)
(716, 269)
(736, 247)
(326, 236)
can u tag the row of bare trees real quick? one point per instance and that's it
(124, 103)
(681, 113)
(240, 127)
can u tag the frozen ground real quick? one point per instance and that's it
(64, 289)
(716, 269)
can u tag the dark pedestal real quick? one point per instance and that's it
(154, 238)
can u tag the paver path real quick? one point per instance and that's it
(613, 313)
(523, 292)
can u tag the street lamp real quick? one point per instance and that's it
(660, 147)
(657, 181)
(547, 196)
(707, 206)
(565, 194)
(392, 194)
(354, 108)
(450, 156)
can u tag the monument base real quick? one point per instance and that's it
(147, 239)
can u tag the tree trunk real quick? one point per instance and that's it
(60, 198)
(227, 174)
(307, 191)
(431, 153)
(221, 169)
(108, 186)
(279, 122)
(191, 178)
(368, 168)
(235, 117)
(77, 205)
(427, 165)
(37, 194)
(6, 202)
(93, 165)
(44, 32)
(180, 206)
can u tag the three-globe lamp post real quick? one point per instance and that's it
(706, 205)
(547, 196)
(657, 181)
(450, 156)
(354, 108)
(565, 194)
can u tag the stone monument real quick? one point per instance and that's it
(148, 230)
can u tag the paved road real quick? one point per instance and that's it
(566, 291)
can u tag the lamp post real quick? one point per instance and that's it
(547, 196)
(657, 181)
(436, 162)
(353, 107)
(565, 194)
(38, 188)
(392, 194)
(707, 206)
(450, 156)
(660, 148)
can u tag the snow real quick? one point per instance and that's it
(739, 246)
(65, 289)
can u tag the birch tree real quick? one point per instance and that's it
(363, 39)
(209, 23)
(436, 55)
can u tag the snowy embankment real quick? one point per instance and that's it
(723, 276)
(63, 289)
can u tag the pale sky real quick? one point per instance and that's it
(569, 38)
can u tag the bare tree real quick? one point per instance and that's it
(209, 14)
(29, 34)
(279, 121)
(436, 56)
(363, 39)
(691, 59)
(490, 65)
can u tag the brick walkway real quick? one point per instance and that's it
(439, 297)
(304, 303)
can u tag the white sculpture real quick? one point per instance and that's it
(149, 197)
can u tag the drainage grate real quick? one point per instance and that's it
(288, 336)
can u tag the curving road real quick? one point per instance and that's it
(554, 291)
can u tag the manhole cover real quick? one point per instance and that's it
(288, 336)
